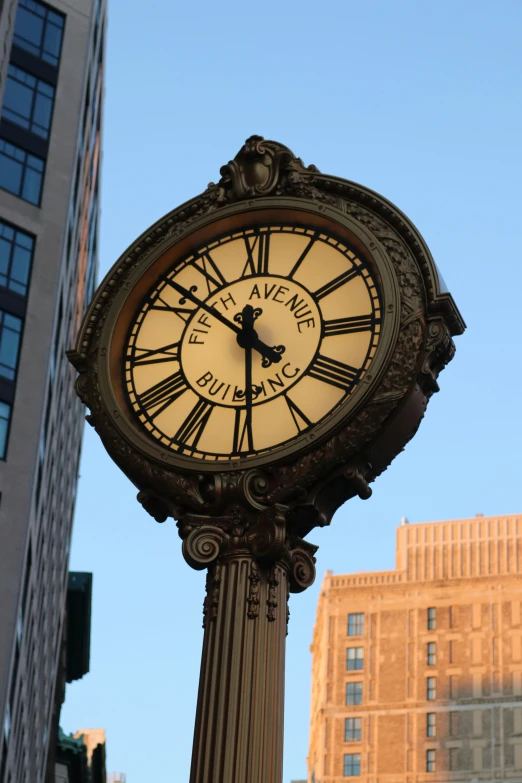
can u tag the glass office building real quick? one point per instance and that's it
(51, 95)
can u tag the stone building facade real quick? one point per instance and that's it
(417, 672)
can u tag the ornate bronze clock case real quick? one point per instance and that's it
(255, 359)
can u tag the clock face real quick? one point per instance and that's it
(251, 341)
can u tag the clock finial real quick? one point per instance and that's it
(260, 168)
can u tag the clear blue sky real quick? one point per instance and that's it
(420, 101)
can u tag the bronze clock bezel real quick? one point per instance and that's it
(166, 253)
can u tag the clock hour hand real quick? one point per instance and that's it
(270, 355)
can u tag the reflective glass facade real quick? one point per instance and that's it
(28, 101)
(48, 268)
(39, 30)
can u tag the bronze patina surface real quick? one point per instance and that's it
(297, 431)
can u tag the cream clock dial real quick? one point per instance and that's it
(251, 341)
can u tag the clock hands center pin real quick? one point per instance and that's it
(270, 355)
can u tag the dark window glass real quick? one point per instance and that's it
(16, 254)
(432, 653)
(352, 729)
(355, 624)
(352, 764)
(431, 688)
(5, 415)
(354, 658)
(353, 692)
(10, 332)
(20, 172)
(430, 761)
(432, 618)
(39, 30)
(431, 724)
(28, 101)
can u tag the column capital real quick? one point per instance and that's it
(265, 535)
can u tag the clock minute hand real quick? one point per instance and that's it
(245, 341)
(270, 355)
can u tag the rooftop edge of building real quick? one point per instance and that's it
(478, 546)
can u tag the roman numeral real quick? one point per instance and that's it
(192, 428)
(182, 312)
(164, 393)
(301, 421)
(242, 432)
(169, 353)
(355, 323)
(257, 255)
(302, 256)
(333, 372)
(336, 283)
(207, 266)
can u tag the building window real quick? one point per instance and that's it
(352, 729)
(430, 761)
(431, 688)
(16, 254)
(354, 658)
(431, 724)
(20, 172)
(28, 101)
(355, 624)
(454, 687)
(453, 759)
(39, 30)
(10, 332)
(352, 765)
(5, 415)
(432, 653)
(432, 618)
(454, 724)
(353, 693)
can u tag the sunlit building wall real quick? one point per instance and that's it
(51, 87)
(417, 672)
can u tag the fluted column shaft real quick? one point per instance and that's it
(239, 723)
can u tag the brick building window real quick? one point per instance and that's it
(353, 693)
(431, 688)
(352, 729)
(453, 759)
(432, 653)
(431, 724)
(432, 618)
(356, 624)
(454, 724)
(352, 765)
(354, 658)
(430, 761)
(454, 686)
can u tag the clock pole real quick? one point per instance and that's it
(252, 565)
(243, 511)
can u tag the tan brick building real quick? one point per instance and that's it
(417, 672)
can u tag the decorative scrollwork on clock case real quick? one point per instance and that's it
(310, 486)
